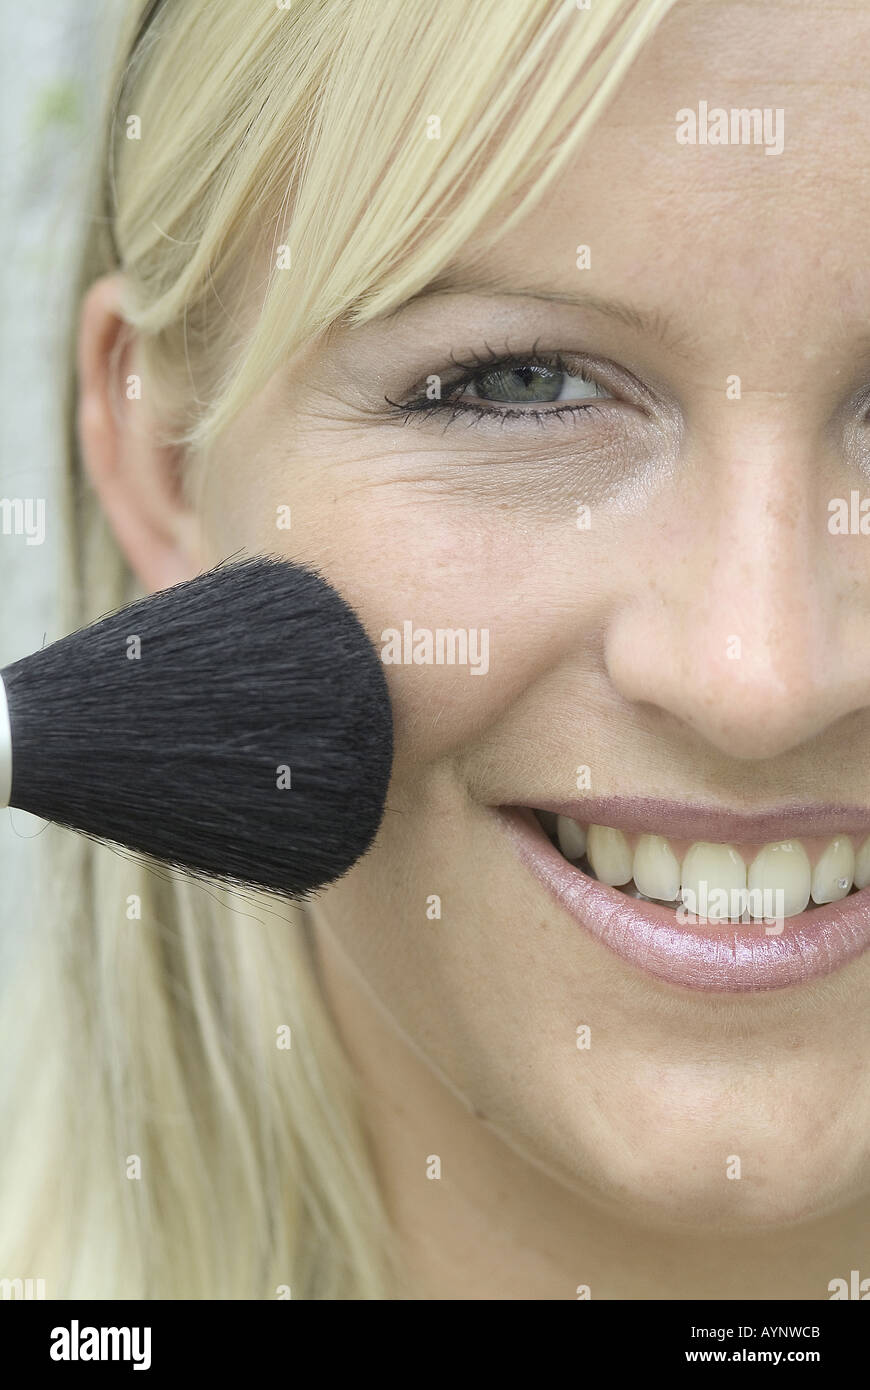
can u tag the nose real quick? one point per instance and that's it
(747, 619)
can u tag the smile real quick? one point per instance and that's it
(723, 911)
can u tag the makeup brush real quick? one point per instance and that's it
(236, 725)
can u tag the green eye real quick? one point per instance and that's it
(530, 383)
(510, 389)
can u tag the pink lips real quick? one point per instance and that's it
(812, 944)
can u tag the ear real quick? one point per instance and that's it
(135, 475)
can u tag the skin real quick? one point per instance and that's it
(607, 1167)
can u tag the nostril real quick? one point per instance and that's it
(747, 684)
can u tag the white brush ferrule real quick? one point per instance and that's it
(5, 748)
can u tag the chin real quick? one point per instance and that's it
(735, 1156)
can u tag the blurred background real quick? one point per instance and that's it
(52, 75)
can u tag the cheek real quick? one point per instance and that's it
(467, 603)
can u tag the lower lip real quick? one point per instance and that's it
(648, 936)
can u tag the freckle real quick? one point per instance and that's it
(543, 926)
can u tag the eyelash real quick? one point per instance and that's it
(420, 407)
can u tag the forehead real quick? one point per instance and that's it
(765, 242)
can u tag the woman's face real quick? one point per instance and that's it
(631, 525)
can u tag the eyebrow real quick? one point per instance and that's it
(455, 280)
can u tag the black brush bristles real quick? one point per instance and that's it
(237, 725)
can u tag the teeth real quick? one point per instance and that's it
(608, 853)
(571, 837)
(833, 874)
(862, 865)
(713, 879)
(783, 866)
(656, 869)
(709, 870)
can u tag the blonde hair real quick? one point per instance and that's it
(152, 1040)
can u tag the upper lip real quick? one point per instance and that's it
(693, 821)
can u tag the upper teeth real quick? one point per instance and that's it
(658, 872)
